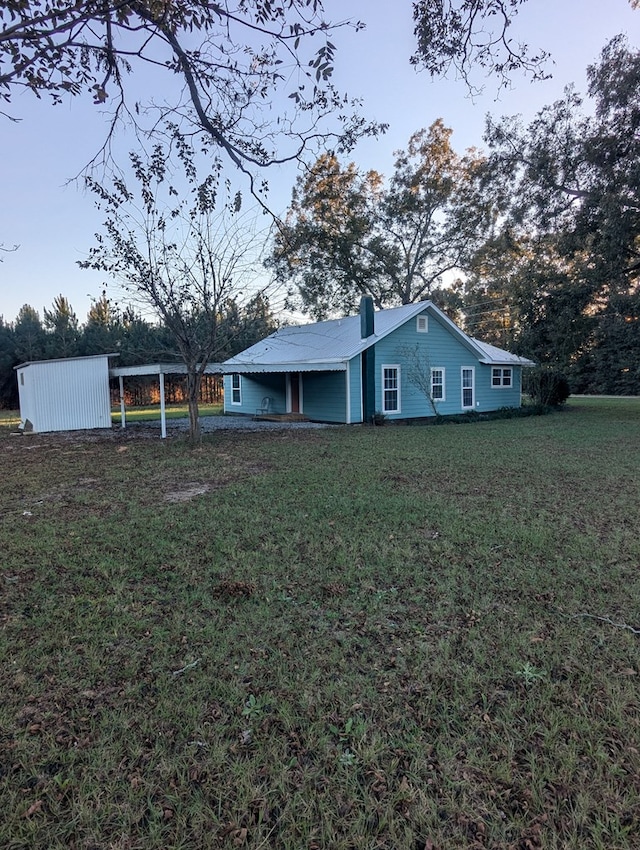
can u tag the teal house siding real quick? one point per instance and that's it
(253, 389)
(416, 353)
(491, 397)
(355, 389)
(324, 396)
(391, 359)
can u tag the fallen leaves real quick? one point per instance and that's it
(34, 808)
(234, 589)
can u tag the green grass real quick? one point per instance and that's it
(152, 411)
(148, 413)
(9, 418)
(345, 638)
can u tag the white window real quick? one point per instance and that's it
(391, 389)
(236, 389)
(501, 377)
(468, 399)
(422, 324)
(437, 384)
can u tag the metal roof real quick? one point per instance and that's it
(327, 346)
(160, 369)
(497, 356)
(305, 366)
(64, 360)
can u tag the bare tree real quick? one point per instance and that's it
(420, 373)
(177, 254)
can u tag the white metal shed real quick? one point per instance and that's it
(65, 395)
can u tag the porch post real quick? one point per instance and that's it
(123, 423)
(163, 417)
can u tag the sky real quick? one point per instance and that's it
(53, 220)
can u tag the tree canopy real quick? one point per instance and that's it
(347, 234)
(237, 62)
(462, 36)
(566, 254)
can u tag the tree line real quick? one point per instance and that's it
(532, 245)
(109, 329)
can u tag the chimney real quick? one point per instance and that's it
(368, 359)
(366, 317)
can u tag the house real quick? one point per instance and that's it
(406, 362)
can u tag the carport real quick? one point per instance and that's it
(151, 369)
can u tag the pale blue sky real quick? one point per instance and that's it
(53, 221)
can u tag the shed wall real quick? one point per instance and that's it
(65, 395)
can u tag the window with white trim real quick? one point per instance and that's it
(501, 376)
(437, 384)
(236, 389)
(391, 389)
(467, 387)
(422, 324)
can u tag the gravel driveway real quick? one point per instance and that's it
(234, 423)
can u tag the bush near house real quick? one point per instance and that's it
(546, 386)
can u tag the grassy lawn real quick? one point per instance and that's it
(172, 411)
(9, 418)
(404, 637)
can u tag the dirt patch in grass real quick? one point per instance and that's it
(187, 492)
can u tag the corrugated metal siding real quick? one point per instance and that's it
(65, 395)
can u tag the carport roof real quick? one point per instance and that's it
(160, 369)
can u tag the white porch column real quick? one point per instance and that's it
(123, 423)
(163, 417)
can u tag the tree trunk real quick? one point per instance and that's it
(194, 379)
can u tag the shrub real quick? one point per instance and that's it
(546, 386)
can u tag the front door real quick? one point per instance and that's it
(294, 392)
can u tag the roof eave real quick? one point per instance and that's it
(522, 361)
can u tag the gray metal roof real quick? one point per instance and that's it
(327, 346)
(498, 356)
(160, 369)
(319, 346)
(64, 360)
